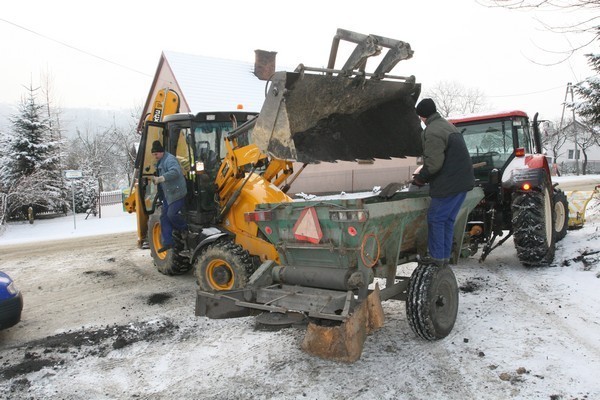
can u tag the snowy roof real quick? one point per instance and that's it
(216, 84)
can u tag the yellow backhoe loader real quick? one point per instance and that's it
(238, 159)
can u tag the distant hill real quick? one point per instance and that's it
(94, 120)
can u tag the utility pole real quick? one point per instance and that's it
(576, 155)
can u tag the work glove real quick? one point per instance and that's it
(158, 179)
(418, 182)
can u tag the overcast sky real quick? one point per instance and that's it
(109, 50)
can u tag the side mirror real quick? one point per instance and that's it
(494, 177)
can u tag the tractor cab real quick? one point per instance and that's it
(493, 140)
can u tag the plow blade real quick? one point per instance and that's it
(327, 117)
(578, 201)
(345, 342)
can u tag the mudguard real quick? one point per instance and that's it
(207, 236)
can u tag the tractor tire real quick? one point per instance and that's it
(168, 262)
(432, 303)
(561, 215)
(223, 265)
(533, 227)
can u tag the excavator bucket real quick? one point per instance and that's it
(313, 114)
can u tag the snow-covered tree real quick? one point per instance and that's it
(589, 90)
(31, 173)
(95, 154)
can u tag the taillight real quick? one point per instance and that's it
(520, 152)
(257, 216)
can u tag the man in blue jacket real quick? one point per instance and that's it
(171, 190)
(448, 169)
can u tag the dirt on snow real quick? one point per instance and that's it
(100, 322)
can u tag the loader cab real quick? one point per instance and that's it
(197, 141)
(492, 139)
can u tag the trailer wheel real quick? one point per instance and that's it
(223, 265)
(561, 215)
(168, 262)
(533, 228)
(432, 303)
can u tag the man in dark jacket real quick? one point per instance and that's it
(172, 191)
(448, 169)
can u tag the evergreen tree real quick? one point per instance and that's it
(589, 90)
(31, 174)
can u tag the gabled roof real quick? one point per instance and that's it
(215, 84)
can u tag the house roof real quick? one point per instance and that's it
(215, 84)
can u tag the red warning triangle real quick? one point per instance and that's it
(307, 227)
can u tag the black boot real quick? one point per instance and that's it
(165, 248)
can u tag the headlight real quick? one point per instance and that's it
(12, 289)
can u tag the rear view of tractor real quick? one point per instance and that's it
(520, 196)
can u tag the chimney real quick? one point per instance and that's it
(264, 64)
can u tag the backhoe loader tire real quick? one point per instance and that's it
(561, 215)
(223, 265)
(432, 303)
(533, 228)
(168, 262)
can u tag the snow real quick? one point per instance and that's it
(112, 220)
(521, 333)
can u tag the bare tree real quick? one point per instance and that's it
(587, 137)
(452, 98)
(583, 136)
(586, 12)
(94, 153)
(554, 140)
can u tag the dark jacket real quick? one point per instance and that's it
(447, 164)
(174, 187)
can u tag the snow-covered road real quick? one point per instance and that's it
(101, 323)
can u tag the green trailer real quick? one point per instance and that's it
(339, 258)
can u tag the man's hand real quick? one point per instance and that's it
(418, 182)
(158, 179)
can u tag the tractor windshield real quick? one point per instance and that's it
(491, 143)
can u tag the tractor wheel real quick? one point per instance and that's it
(223, 265)
(432, 303)
(561, 215)
(533, 230)
(168, 262)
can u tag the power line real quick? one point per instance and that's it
(530, 93)
(544, 90)
(75, 48)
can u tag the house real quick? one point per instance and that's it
(215, 84)
(570, 158)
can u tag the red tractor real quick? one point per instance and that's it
(520, 196)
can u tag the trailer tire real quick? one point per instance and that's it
(561, 215)
(432, 303)
(533, 227)
(223, 265)
(169, 262)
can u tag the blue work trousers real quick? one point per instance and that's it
(440, 222)
(170, 219)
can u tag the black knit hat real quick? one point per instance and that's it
(157, 147)
(425, 108)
